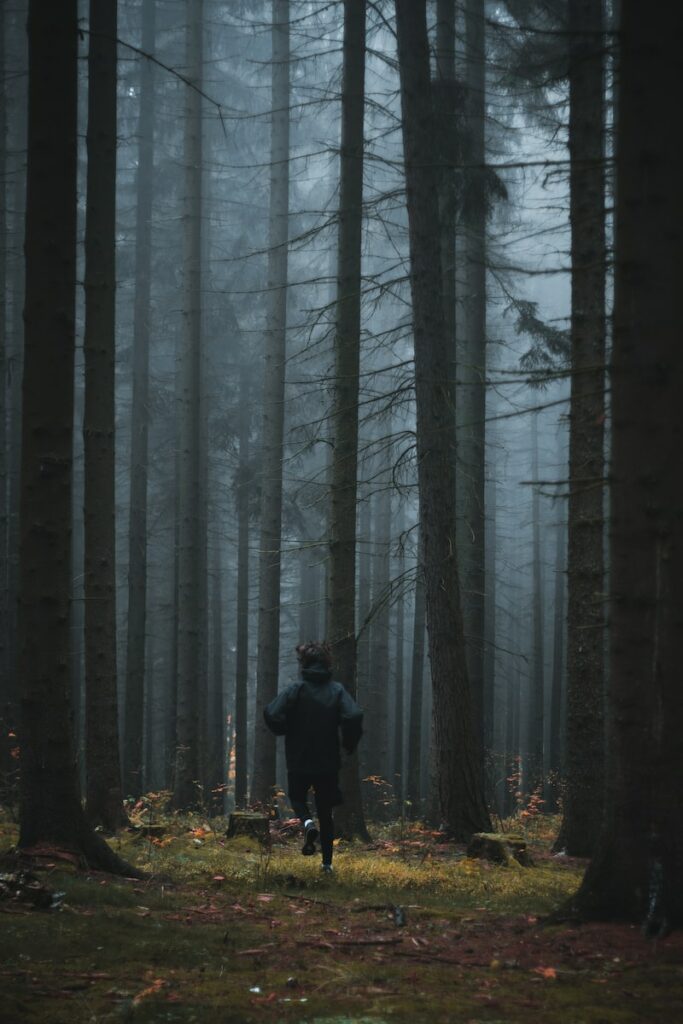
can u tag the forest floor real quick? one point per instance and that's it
(408, 929)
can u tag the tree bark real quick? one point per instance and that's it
(458, 748)
(192, 519)
(378, 709)
(137, 516)
(104, 796)
(272, 436)
(51, 810)
(534, 773)
(583, 806)
(7, 708)
(493, 720)
(242, 639)
(342, 610)
(471, 362)
(399, 661)
(557, 694)
(216, 770)
(414, 774)
(637, 870)
(14, 107)
(16, 101)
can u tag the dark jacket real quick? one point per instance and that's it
(310, 714)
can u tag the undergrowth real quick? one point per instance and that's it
(408, 929)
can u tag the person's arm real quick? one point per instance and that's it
(275, 714)
(351, 721)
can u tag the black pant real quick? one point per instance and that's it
(327, 796)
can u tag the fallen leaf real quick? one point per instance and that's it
(545, 972)
(156, 985)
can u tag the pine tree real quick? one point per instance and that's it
(457, 744)
(192, 517)
(583, 807)
(637, 870)
(104, 797)
(137, 521)
(51, 810)
(344, 488)
(272, 435)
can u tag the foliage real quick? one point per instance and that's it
(549, 352)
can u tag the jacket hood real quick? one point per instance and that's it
(316, 674)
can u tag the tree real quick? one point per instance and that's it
(398, 688)
(534, 769)
(215, 766)
(51, 810)
(637, 870)
(413, 783)
(242, 638)
(457, 744)
(104, 798)
(344, 484)
(378, 683)
(585, 739)
(192, 517)
(557, 690)
(7, 712)
(137, 521)
(471, 359)
(272, 437)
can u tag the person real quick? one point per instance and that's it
(311, 714)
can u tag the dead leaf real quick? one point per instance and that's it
(545, 972)
(155, 987)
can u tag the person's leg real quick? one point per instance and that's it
(298, 786)
(327, 796)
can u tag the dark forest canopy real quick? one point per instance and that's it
(347, 321)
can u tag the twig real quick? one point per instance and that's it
(356, 942)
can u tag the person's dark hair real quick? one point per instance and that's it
(314, 653)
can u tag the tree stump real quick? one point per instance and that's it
(249, 824)
(501, 848)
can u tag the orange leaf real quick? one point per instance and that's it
(156, 985)
(545, 972)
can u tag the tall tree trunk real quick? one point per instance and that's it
(557, 685)
(215, 775)
(458, 748)
(7, 710)
(342, 611)
(471, 363)
(137, 515)
(414, 774)
(583, 807)
(445, 91)
(364, 590)
(104, 797)
(51, 809)
(493, 746)
(537, 680)
(637, 870)
(378, 732)
(308, 589)
(151, 718)
(399, 661)
(171, 729)
(14, 106)
(242, 639)
(272, 436)
(192, 519)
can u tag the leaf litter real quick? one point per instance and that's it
(474, 947)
